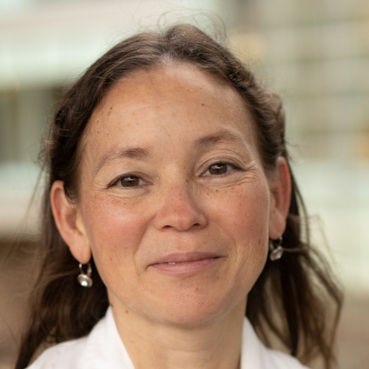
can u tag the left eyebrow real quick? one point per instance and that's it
(222, 136)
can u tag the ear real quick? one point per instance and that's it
(280, 187)
(69, 223)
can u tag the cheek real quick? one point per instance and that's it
(113, 229)
(246, 210)
(245, 219)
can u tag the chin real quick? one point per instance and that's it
(197, 314)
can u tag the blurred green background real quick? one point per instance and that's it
(314, 53)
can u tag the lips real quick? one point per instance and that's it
(177, 258)
(185, 264)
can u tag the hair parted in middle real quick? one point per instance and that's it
(289, 298)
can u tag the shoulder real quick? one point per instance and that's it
(61, 356)
(281, 360)
(101, 348)
(257, 356)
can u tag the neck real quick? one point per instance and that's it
(214, 345)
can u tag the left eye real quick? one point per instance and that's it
(220, 168)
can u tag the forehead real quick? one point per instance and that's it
(175, 95)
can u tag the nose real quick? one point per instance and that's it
(180, 209)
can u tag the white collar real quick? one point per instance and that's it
(254, 354)
(103, 348)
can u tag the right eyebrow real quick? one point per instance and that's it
(138, 153)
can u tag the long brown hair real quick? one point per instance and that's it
(289, 300)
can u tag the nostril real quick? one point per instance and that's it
(194, 225)
(179, 211)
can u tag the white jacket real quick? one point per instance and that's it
(103, 349)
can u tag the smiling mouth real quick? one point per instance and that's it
(186, 263)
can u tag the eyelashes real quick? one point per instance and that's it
(128, 180)
(218, 169)
(221, 168)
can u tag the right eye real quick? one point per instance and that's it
(129, 180)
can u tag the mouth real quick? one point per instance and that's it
(186, 263)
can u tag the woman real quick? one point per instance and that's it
(171, 200)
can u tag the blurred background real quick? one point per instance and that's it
(314, 53)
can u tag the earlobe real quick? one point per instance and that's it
(68, 222)
(280, 186)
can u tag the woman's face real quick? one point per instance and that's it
(174, 205)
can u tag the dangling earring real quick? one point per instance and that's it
(275, 249)
(84, 278)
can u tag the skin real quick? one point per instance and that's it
(176, 209)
